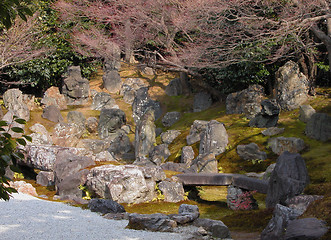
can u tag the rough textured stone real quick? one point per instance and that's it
(251, 152)
(276, 227)
(110, 121)
(159, 154)
(214, 139)
(301, 202)
(153, 173)
(178, 86)
(305, 112)
(52, 113)
(103, 100)
(170, 118)
(13, 100)
(247, 101)
(291, 86)
(217, 228)
(271, 131)
(104, 156)
(288, 179)
(30, 101)
(75, 88)
(197, 128)
(281, 144)
(156, 222)
(24, 187)
(105, 206)
(45, 178)
(66, 134)
(169, 136)
(186, 214)
(305, 229)
(52, 96)
(239, 199)
(268, 117)
(172, 191)
(206, 163)
(9, 116)
(77, 118)
(187, 155)
(202, 101)
(123, 184)
(40, 135)
(92, 124)
(142, 103)
(94, 145)
(319, 127)
(176, 167)
(121, 147)
(111, 77)
(268, 171)
(145, 135)
(130, 87)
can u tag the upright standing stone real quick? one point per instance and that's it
(52, 96)
(319, 127)
(111, 77)
(202, 101)
(13, 100)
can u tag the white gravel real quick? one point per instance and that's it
(25, 217)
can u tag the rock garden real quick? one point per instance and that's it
(121, 143)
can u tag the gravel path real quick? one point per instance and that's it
(26, 217)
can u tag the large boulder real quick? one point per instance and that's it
(123, 184)
(111, 78)
(13, 100)
(66, 134)
(172, 191)
(287, 180)
(187, 155)
(75, 88)
(121, 147)
(268, 117)
(103, 100)
(251, 152)
(291, 144)
(214, 139)
(169, 136)
(217, 228)
(52, 113)
(204, 163)
(276, 227)
(52, 96)
(247, 101)
(94, 145)
(92, 124)
(110, 121)
(9, 118)
(156, 222)
(291, 86)
(186, 214)
(306, 228)
(170, 118)
(202, 101)
(159, 154)
(40, 135)
(305, 113)
(319, 127)
(145, 135)
(45, 178)
(130, 87)
(197, 128)
(77, 118)
(142, 102)
(301, 202)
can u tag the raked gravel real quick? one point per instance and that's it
(25, 217)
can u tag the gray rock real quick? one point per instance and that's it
(66, 134)
(197, 128)
(271, 131)
(153, 173)
(13, 100)
(40, 135)
(174, 88)
(268, 171)
(288, 179)
(268, 117)
(170, 118)
(305, 229)
(276, 227)
(206, 163)
(291, 86)
(145, 135)
(159, 154)
(75, 88)
(176, 167)
(123, 184)
(104, 156)
(9, 118)
(214, 139)
(239, 199)
(45, 178)
(202, 101)
(217, 228)
(105, 206)
(247, 101)
(186, 214)
(169, 136)
(156, 222)
(121, 147)
(77, 118)
(110, 121)
(112, 80)
(92, 124)
(130, 87)
(94, 145)
(301, 202)
(52, 96)
(142, 103)
(187, 155)
(172, 191)
(305, 112)
(281, 144)
(103, 100)
(319, 127)
(251, 152)
(52, 113)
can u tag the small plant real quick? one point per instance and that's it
(10, 154)
(245, 201)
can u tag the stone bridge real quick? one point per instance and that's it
(224, 179)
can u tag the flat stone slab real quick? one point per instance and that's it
(223, 179)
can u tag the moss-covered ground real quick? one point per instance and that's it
(212, 201)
